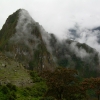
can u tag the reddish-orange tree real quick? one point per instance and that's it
(92, 83)
(63, 84)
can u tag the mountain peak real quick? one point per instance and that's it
(21, 39)
(24, 40)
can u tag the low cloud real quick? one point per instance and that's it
(24, 29)
(89, 36)
(80, 52)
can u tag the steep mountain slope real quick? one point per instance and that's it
(24, 40)
(72, 54)
(8, 29)
(20, 38)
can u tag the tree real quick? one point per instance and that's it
(63, 84)
(92, 83)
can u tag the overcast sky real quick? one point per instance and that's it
(56, 16)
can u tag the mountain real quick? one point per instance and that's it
(72, 54)
(96, 28)
(26, 42)
(21, 39)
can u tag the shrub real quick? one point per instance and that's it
(5, 89)
(11, 87)
(11, 96)
(48, 98)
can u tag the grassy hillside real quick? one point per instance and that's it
(13, 72)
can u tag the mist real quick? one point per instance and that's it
(80, 52)
(26, 25)
(84, 35)
(56, 15)
(24, 30)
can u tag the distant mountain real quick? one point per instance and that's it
(72, 54)
(96, 28)
(27, 42)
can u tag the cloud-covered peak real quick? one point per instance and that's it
(25, 31)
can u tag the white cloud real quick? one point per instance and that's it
(80, 52)
(89, 36)
(23, 32)
(55, 15)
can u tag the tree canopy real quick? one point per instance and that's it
(63, 84)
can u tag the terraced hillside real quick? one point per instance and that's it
(13, 72)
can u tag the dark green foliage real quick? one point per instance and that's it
(8, 92)
(5, 89)
(39, 88)
(31, 65)
(36, 91)
(26, 92)
(34, 63)
(61, 84)
(96, 58)
(35, 77)
(38, 57)
(48, 98)
(2, 96)
(8, 29)
(63, 62)
(11, 96)
(11, 87)
(85, 47)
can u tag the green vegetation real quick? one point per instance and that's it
(14, 72)
(11, 92)
(8, 29)
(60, 84)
